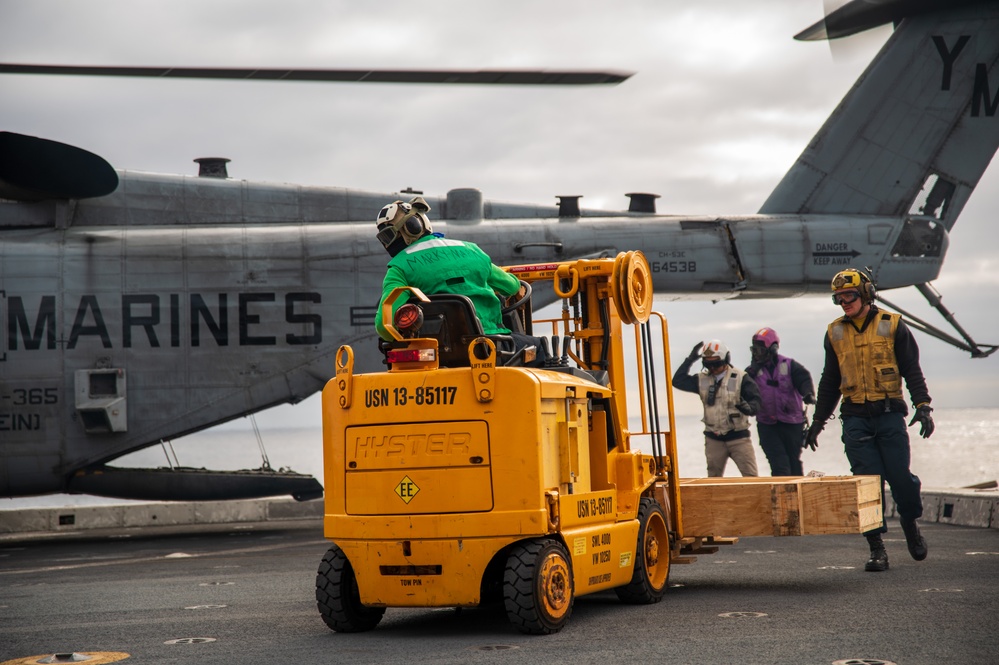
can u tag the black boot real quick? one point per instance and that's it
(914, 539)
(879, 557)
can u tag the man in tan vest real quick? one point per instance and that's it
(729, 397)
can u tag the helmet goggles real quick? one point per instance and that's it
(846, 297)
(387, 233)
(713, 363)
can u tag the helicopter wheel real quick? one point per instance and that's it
(648, 582)
(338, 598)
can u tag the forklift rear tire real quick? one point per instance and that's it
(339, 600)
(537, 587)
(648, 582)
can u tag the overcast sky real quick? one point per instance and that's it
(722, 102)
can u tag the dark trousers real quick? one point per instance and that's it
(879, 445)
(781, 442)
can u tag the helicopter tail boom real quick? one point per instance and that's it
(923, 112)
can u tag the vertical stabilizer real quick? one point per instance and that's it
(917, 130)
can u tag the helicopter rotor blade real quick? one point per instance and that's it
(860, 15)
(482, 76)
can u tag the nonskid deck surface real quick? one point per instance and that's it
(245, 593)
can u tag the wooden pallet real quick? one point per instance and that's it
(783, 506)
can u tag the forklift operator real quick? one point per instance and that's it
(435, 264)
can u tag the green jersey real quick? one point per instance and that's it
(440, 265)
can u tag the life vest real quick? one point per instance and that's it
(722, 416)
(779, 401)
(867, 365)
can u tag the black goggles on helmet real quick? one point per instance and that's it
(387, 233)
(846, 297)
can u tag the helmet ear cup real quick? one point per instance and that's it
(413, 226)
(869, 291)
(867, 288)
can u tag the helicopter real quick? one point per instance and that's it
(138, 307)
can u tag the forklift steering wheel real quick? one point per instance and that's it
(520, 303)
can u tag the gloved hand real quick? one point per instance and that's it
(812, 437)
(926, 426)
(695, 352)
(808, 399)
(754, 368)
(744, 407)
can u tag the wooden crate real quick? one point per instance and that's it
(785, 506)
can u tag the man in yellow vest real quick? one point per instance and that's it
(869, 351)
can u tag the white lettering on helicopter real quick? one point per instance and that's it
(146, 316)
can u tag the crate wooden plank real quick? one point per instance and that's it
(785, 506)
(726, 507)
(834, 505)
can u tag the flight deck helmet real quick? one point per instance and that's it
(715, 354)
(854, 280)
(401, 224)
(764, 346)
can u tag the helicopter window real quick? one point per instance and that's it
(934, 197)
(103, 384)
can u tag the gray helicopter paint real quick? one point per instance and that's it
(946, 60)
(213, 298)
(210, 320)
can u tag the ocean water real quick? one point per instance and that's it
(964, 450)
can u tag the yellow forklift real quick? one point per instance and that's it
(460, 474)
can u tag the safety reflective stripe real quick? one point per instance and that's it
(884, 327)
(434, 242)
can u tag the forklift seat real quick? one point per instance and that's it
(451, 320)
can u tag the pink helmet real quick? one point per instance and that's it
(766, 337)
(764, 346)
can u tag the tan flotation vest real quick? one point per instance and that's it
(867, 365)
(722, 416)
